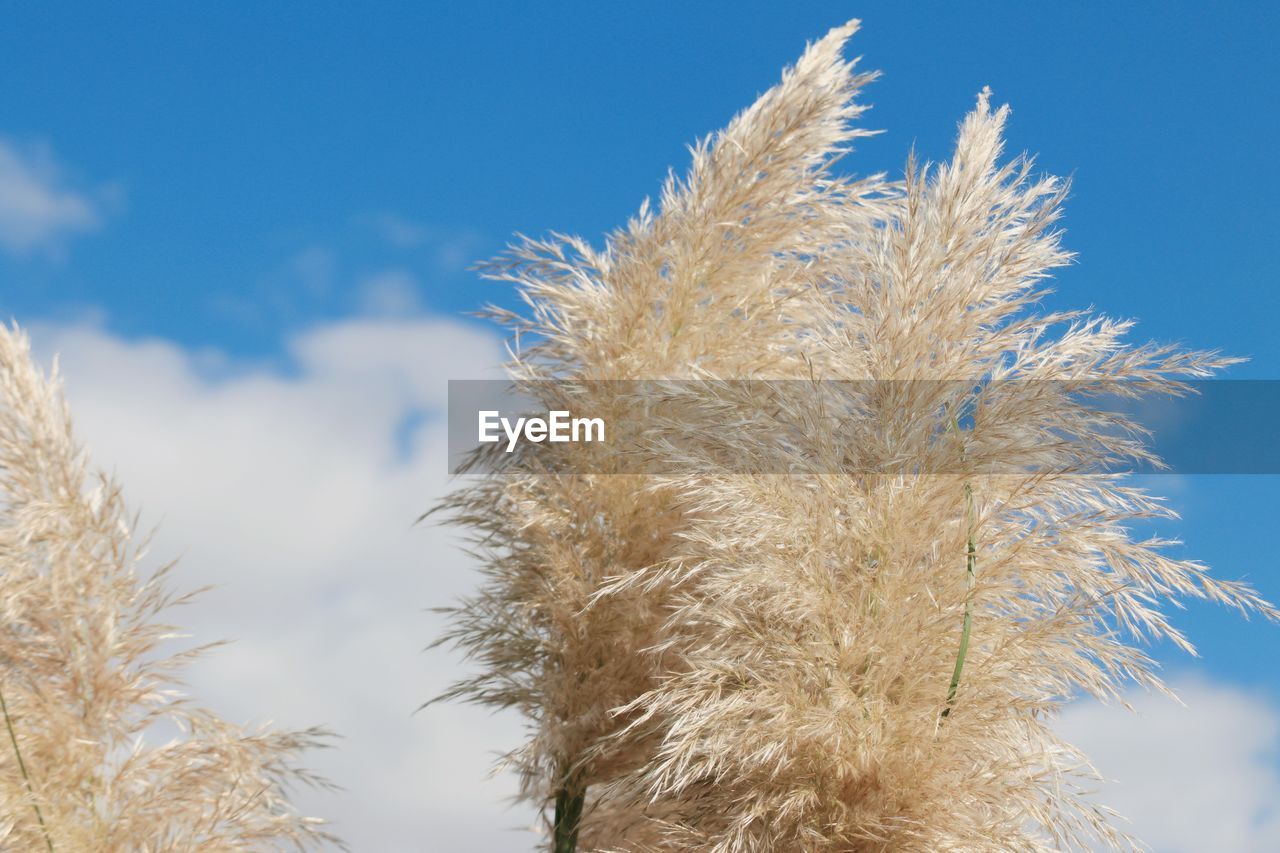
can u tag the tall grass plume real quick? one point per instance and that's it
(851, 655)
(85, 686)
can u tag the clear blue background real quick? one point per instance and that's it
(244, 135)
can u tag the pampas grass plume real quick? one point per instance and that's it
(85, 686)
(853, 655)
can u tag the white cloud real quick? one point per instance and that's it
(39, 211)
(296, 495)
(1191, 779)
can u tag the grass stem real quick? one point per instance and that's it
(569, 801)
(971, 560)
(22, 766)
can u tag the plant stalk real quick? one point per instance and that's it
(22, 766)
(971, 560)
(569, 801)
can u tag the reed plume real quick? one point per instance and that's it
(84, 683)
(717, 282)
(856, 637)
(868, 657)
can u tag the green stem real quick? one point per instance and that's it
(972, 567)
(22, 766)
(569, 801)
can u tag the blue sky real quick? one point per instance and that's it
(223, 177)
(240, 140)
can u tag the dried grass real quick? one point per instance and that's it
(84, 682)
(844, 657)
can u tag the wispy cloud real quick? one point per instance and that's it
(40, 208)
(314, 269)
(390, 293)
(379, 265)
(400, 232)
(450, 250)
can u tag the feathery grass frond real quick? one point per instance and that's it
(730, 661)
(719, 281)
(82, 676)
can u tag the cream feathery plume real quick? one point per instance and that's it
(867, 653)
(84, 683)
(862, 644)
(719, 281)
